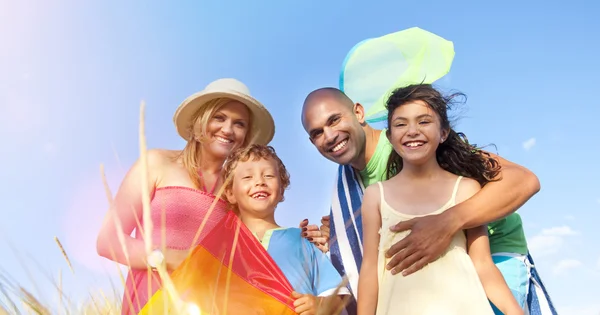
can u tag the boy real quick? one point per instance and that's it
(257, 186)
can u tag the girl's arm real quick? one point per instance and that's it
(493, 282)
(478, 247)
(125, 214)
(368, 285)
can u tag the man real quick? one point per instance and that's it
(337, 128)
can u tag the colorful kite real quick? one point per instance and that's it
(375, 66)
(229, 272)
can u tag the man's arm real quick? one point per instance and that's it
(497, 199)
(431, 235)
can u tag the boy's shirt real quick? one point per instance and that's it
(307, 269)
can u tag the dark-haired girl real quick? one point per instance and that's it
(431, 169)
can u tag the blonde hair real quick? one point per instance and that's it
(191, 155)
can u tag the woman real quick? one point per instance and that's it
(182, 184)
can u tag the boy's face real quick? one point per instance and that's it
(256, 187)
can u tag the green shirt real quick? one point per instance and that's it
(506, 235)
(376, 167)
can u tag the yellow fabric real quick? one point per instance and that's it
(449, 285)
(266, 239)
(202, 283)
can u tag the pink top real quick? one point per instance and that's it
(184, 210)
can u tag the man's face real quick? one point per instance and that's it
(335, 130)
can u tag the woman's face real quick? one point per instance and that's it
(226, 130)
(415, 132)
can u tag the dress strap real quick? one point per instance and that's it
(381, 192)
(212, 191)
(204, 188)
(455, 190)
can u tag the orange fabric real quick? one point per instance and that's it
(217, 283)
(184, 210)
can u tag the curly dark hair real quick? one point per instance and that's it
(456, 154)
(255, 152)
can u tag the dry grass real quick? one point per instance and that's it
(16, 299)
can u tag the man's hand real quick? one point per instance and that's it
(305, 304)
(429, 237)
(314, 235)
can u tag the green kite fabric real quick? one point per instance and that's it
(376, 66)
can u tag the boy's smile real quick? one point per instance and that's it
(256, 188)
(261, 195)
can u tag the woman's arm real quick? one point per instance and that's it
(368, 286)
(125, 214)
(493, 282)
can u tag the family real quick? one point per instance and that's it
(421, 221)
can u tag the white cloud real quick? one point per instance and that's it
(565, 265)
(550, 241)
(579, 310)
(529, 144)
(564, 230)
(545, 245)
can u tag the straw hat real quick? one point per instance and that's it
(263, 126)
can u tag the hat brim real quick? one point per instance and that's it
(263, 126)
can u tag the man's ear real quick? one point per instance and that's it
(359, 112)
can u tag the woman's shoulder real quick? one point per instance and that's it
(162, 156)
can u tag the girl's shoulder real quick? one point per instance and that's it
(467, 187)
(376, 187)
(462, 181)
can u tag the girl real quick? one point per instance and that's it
(430, 169)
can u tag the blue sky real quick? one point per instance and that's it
(72, 75)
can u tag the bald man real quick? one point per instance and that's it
(336, 126)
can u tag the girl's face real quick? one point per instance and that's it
(226, 130)
(415, 132)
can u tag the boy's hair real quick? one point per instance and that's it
(255, 152)
(456, 155)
